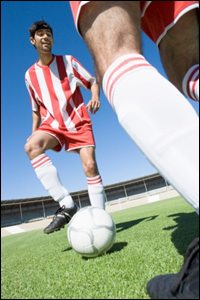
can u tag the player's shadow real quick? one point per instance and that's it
(185, 231)
(67, 249)
(126, 225)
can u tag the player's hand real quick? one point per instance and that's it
(93, 106)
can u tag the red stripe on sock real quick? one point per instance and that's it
(193, 86)
(126, 61)
(40, 162)
(94, 180)
(121, 74)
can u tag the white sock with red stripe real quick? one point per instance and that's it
(96, 192)
(48, 175)
(190, 83)
(159, 119)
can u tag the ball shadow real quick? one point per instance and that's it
(115, 248)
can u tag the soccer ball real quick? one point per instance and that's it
(91, 231)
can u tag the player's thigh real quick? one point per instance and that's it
(110, 30)
(42, 141)
(179, 48)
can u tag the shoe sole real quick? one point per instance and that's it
(53, 230)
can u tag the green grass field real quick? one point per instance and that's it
(151, 240)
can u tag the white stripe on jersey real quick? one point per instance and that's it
(46, 99)
(83, 72)
(34, 103)
(147, 3)
(70, 73)
(61, 96)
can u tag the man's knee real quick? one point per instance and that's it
(27, 148)
(32, 149)
(90, 168)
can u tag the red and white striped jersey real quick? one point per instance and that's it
(54, 92)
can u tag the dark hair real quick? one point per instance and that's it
(39, 25)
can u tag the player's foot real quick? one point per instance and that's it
(185, 284)
(62, 216)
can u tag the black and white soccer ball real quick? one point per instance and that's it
(91, 232)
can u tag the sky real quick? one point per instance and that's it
(118, 158)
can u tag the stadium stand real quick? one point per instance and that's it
(145, 189)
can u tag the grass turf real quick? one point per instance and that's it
(151, 240)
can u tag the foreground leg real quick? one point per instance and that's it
(110, 29)
(185, 284)
(155, 115)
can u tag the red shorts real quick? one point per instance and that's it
(71, 140)
(157, 17)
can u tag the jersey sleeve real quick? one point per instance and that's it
(84, 78)
(33, 99)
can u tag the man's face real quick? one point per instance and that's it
(43, 40)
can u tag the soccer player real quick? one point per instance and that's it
(60, 119)
(153, 110)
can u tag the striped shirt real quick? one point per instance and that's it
(54, 92)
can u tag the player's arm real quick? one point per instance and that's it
(89, 82)
(94, 104)
(36, 120)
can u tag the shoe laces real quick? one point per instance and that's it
(189, 262)
(59, 210)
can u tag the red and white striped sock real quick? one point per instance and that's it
(190, 83)
(48, 175)
(122, 67)
(96, 192)
(159, 119)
